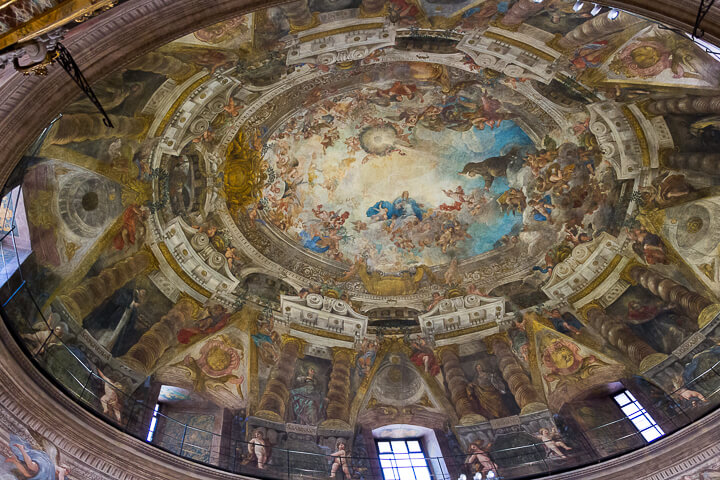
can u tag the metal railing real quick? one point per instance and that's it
(132, 413)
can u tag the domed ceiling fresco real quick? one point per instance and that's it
(476, 220)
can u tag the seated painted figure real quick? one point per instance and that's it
(403, 206)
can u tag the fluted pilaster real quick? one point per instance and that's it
(519, 12)
(597, 27)
(277, 391)
(338, 395)
(690, 303)
(144, 355)
(93, 291)
(456, 381)
(520, 385)
(621, 336)
(684, 105)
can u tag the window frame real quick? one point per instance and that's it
(394, 467)
(639, 415)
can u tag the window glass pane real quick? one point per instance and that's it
(651, 434)
(630, 409)
(630, 395)
(384, 447)
(406, 474)
(418, 462)
(414, 446)
(422, 473)
(622, 399)
(641, 423)
(399, 447)
(389, 474)
(402, 461)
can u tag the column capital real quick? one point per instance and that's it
(626, 273)
(585, 310)
(440, 350)
(708, 314)
(289, 339)
(340, 352)
(498, 337)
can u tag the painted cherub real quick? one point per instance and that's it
(259, 449)
(478, 459)
(340, 461)
(110, 400)
(552, 441)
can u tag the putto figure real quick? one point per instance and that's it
(259, 449)
(552, 441)
(479, 461)
(340, 461)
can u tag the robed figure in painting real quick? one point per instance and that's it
(306, 399)
(34, 464)
(114, 324)
(485, 393)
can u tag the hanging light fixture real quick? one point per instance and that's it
(596, 9)
(613, 14)
(578, 6)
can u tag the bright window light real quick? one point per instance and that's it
(635, 412)
(578, 6)
(14, 234)
(153, 424)
(613, 14)
(403, 460)
(596, 9)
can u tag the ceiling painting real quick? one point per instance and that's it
(326, 219)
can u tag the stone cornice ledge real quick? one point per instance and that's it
(93, 446)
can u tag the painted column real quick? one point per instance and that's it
(163, 64)
(456, 381)
(371, 7)
(597, 27)
(619, 335)
(298, 14)
(143, 356)
(684, 105)
(338, 396)
(690, 303)
(705, 163)
(519, 12)
(277, 391)
(77, 127)
(520, 385)
(93, 291)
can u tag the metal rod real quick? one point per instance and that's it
(703, 9)
(68, 63)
